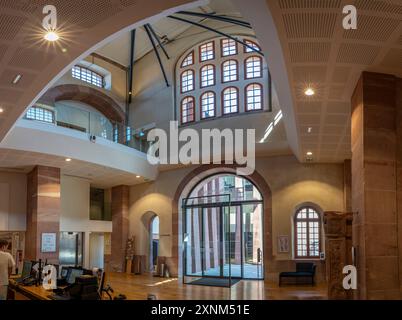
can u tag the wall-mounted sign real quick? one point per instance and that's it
(48, 242)
(283, 244)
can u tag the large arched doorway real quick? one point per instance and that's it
(222, 219)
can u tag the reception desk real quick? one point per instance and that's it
(20, 292)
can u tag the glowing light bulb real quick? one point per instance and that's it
(51, 36)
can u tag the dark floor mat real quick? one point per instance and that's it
(215, 282)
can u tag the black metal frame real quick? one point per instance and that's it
(218, 32)
(217, 17)
(146, 27)
(158, 40)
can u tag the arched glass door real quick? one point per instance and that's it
(222, 231)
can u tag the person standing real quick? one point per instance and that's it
(6, 266)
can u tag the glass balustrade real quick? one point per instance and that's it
(94, 124)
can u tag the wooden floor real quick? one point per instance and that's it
(137, 287)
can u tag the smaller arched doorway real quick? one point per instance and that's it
(222, 219)
(154, 242)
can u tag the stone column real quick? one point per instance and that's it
(338, 248)
(120, 225)
(347, 185)
(43, 211)
(374, 186)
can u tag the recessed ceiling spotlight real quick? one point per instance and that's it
(51, 36)
(64, 50)
(309, 92)
(17, 78)
(68, 159)
(309, 154)
(1, 110)
(138, 177)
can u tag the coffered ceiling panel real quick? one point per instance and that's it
(302, 52)
(309, 25)
(357, 53)
(309, 4)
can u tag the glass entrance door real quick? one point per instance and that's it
(223, 241)
(252, 241)
(233, 260)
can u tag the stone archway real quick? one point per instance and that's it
(190, 181)
(95, 98)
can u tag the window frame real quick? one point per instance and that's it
(201, 111)
(92, 72)
(245, 97)
(213, 51)
(223, 100)
(245, 48)
(214, 70)
(44, 110)
(193, 59)
(181, 81)
(307, 220)
(261, 65)
(222, 71)
(181, 110)
(229, 55)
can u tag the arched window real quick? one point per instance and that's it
(228, 47)
(230, 100)
(187, 81)
(207, 75)
(251, 44)
(307, 233)
(205, 70)
(208, 105)
(253, 67)
(188, 60)
(187, 110)
(229, 71)
(253, 97)
(88, 76)
(207, 51)
(40, 114)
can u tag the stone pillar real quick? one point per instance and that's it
(374, 186)
(347, 185)
(338, 248)
(120, 223)
(43, 211)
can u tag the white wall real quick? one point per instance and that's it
(13, 197)
(75, 212)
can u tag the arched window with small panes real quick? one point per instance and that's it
(307, 225)
(208, 102)
(230, 70)
(253, 96)
(207, 76)
(253, 67)
(187, 81)
(187, 110)
(188, 60)
(230, 100)
(224, 77)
